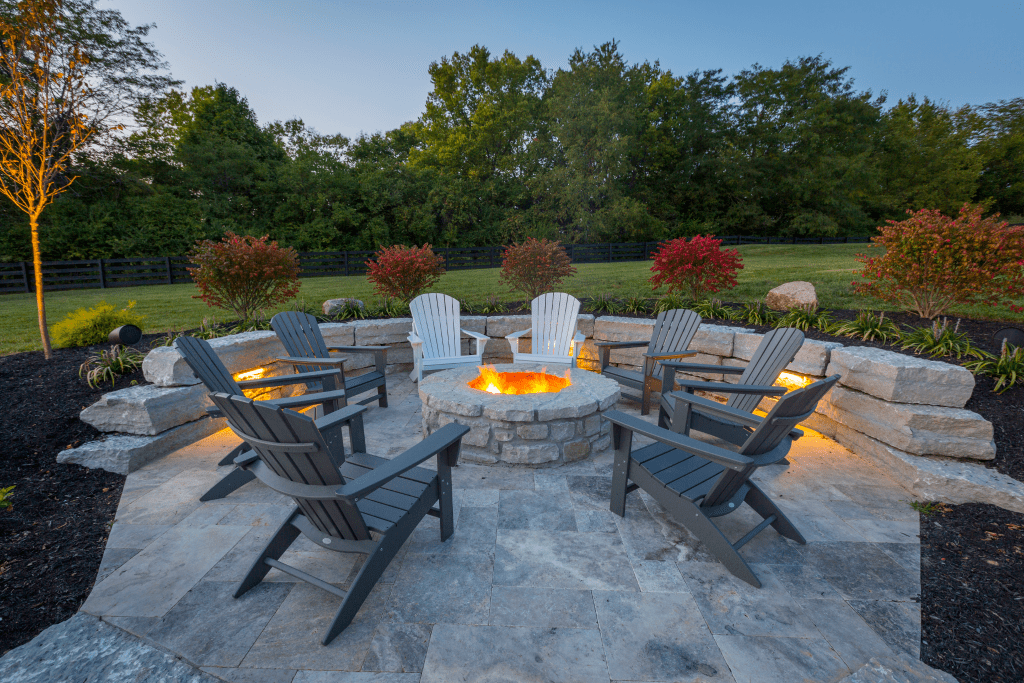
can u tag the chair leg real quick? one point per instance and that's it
(382, 395)
(285, 535)
(234, 480)
(371, 571)
(234, 453)
(763, 505)
(710, 535)
(623, 441)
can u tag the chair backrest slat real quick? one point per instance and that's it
(787, 413)
(776, 350)
(269, 424)
(673, 331)
(200, 356)
(436, 319)
(554, 317)
(301, 337)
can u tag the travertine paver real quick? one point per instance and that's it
(540, 581)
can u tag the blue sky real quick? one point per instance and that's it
(361, 66)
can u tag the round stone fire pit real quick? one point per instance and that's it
(525, 429)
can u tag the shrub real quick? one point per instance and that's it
(635, 303)
(670, 302)
(244, 274)
(939, 340)
(535, 266)
(109, 365)
(88, 326)
(805, 317)
(402, 272)
(1007, 368)
(932, 262)
(868, 327)
(697, 266)
(713, 309)
(757, 313)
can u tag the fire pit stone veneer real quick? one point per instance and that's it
(542, 429)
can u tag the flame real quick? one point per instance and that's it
(494, 382)
(250, 374)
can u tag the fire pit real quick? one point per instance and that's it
(542, 419)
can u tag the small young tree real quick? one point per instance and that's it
(244, 274)
(699, 266)
(402, 272)
(932, 262)
(535, 266)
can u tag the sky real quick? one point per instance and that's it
(355, 67)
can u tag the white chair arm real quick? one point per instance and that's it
(513, 339)
(476, 335)
(481, 341)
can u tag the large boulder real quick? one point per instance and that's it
(792, 295)
(899, 378)
(332, 306)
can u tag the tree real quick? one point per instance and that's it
(42, 122)
(1001, 146)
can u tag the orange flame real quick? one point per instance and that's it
(250, 374)
(494, 382)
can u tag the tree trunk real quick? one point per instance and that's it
(37, 266)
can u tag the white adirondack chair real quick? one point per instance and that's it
(554, 333)
(436, 336)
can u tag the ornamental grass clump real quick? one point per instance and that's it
(403, 273)
(805, 317)
(1007, 368)
(868, 327)
(535, 266)
(713, 309)
(939, 340)
(88, 326)
(697, 267)
(933, 262)
(757, 313)
(244, 274)
(107, 366)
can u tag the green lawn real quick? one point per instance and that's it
(830, 267)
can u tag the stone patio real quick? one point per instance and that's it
(540, 582)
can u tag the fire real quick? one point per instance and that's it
(250, 374)
(494, 382)
(792, 381)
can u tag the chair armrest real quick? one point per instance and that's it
(623, 344)
(517, 335)
(360, 349)
(733, 461)
(285, 380)
(666, 356)
(433, 445)
(725, 388)
(413, 339)
(703, 367)
(709, 407)
(303, 400)
(296, 360)
(338, 417)
(475, 335)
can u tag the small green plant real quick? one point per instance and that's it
(713, 309)
(868, 327)
(757, 313)
(927, 509)
(939, 340)
(392, 308)
(637, 304)
(1007, 368)
(88, 326)
(5, 497)
(805, 317)
(167, 339)
(603, 303)
(492, 305)
(109, 365)
(303, 306)
(670, 302)
(257, 323)
(209, 329)
(349, 311)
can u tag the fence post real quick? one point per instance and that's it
(170, 272)
(609, 252)
(821, 240)
(344, 259)
(24, 276)
(103, 276)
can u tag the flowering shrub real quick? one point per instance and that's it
(244, 274)
(932, 262)
(401, 272)
(535, 266)
(698, 265)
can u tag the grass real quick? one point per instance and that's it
(830, 268)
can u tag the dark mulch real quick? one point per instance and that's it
(52, 538)
(52, 541)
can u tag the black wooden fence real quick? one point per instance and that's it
(169, 270)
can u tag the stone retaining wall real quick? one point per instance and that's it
(893, 408)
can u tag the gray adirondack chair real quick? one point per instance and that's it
(308, 352)
(672, 334)
(554, 337)
(697, 482)
(203, 360)
(776, 350)
(436, 337)
(354, 504)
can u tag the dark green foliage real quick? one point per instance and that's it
(670, 302)
(869, 327)
(5, 497)
(757, 313)
(603, 303)
(804, 318)
(939, 340)
(492, 305)
(107, 366)
(713, 309)
(1007, 368)
(637, 303)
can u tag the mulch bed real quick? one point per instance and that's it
(51, 542)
